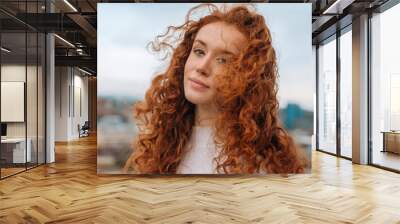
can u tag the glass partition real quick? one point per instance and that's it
(41, 109)
(32, 86)
(31, 100)
(22, 88)
(13, 106)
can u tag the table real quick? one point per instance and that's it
(16, 147)
(391, 141)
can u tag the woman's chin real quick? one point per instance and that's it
(196, 99)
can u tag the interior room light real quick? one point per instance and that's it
(64, 40)
(84, 71)
(5, 50)
(333, 9)
(70, 5)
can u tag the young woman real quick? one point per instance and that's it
(215, 108)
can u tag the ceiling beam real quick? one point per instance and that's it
(84, 61)
(86, 26)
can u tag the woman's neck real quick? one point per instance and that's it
(205, 115)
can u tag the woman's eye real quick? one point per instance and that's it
(198, 52)
(221, 60)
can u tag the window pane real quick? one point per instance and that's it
(327, 96)
(386, 89)
(346, 94)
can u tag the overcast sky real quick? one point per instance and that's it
(125, 67)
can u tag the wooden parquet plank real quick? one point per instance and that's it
(70, 191)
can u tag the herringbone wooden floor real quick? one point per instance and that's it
(69, 191)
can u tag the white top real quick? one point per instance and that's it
(200, 152)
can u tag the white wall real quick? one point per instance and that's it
(81, 103)
(71, 94)
(61, 103)
(12, 73)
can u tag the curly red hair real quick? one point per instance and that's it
(248, 131)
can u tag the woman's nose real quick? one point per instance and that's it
(204, 66)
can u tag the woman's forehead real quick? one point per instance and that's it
(221, 36)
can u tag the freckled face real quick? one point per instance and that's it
(215, 44)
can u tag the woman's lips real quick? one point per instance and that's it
(198, 85)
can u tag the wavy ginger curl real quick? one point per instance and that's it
(248, 134)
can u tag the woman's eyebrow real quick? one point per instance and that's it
(224, 51)
(201, 42)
